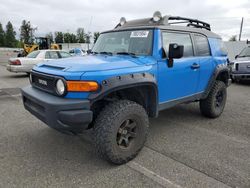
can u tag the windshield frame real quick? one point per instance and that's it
(132, 29)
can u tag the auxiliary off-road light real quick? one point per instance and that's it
(122, 21)
(60, 87)
(157, 16)
(82, 86)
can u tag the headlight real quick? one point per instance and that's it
(60, 87)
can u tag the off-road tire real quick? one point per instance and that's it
(208, 106)
(106, 127)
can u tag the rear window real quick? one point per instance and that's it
(33, 54)
(201, 45)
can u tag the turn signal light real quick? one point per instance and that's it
(82, 86)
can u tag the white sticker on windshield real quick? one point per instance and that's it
(139, 34)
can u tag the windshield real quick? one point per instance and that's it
(33, 54)
(245, 52)
(135, 42)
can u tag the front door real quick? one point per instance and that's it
(181, 80)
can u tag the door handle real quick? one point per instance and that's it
(195, 66)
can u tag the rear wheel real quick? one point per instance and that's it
(120, 131)
(215, 102)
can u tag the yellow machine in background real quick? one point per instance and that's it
(40, 43)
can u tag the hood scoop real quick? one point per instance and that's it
(52, 67)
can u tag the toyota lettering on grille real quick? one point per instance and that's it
(43, 82)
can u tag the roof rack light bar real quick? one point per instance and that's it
(191, 22)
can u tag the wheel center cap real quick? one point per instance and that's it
(124, 131)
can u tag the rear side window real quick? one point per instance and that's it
(201, 45)
(51, 55)
(64, 54)
(180, 39)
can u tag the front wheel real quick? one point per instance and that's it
(120, 131)
(214, 104)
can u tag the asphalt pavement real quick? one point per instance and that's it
(184, 149)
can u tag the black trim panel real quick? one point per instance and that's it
(172, 103)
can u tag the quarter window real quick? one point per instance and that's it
(180, 39)
(201, 45)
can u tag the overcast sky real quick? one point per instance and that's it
(99, 15)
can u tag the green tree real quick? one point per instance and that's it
(80, 35)
(70, 38)
(27, 32)
(233, 38)
(73, 38)
(10, 39)
(2, 36)
(58, 37)
(67, 37)
(96, 35)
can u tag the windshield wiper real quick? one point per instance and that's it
(126, 53)
(106, 53)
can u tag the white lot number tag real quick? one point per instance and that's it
(139, 34)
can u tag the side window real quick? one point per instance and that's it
(47, 55)
(51, 55)
(179, 38)
(64, 54)
(201, 45)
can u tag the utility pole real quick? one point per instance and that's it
(241, 25)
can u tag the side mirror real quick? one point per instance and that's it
(236, 56)
(175, 52)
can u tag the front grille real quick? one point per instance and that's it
(244, 67)
(44, 82)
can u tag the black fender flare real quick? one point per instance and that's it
(124, 82)
(221, 68)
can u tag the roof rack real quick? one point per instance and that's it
(190, 22)
(157, 19)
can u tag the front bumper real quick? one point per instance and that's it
(241, 76)
(65, 115)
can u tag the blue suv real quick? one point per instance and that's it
(133, 71)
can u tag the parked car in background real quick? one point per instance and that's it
(25, 64)
(77, 52)
(241, 66)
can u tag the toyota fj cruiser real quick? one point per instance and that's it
(133, 71)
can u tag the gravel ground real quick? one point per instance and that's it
(184, 149)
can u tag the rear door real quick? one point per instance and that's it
(203, 53)
(181, 80)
